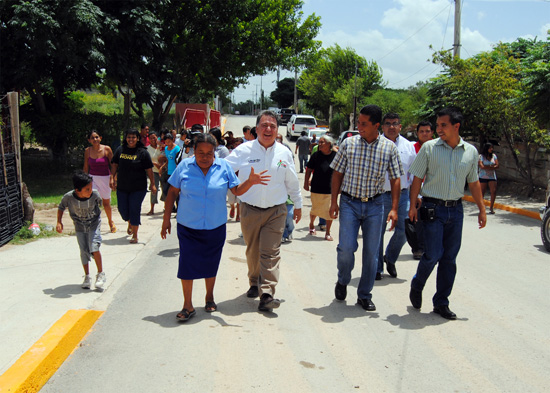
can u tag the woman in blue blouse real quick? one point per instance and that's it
(202, 182)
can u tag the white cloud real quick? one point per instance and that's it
(480, 15)
(544, 31)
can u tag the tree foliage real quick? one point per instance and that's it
(283, 95)
(330, 80)
(496, 98)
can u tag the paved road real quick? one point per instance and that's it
(500, 342)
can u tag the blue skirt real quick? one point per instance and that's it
(200, 252)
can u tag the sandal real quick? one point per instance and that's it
(150, 213)
(328, 237)
(129, 231)
(133, 240)
(210, 306)
(113, 227)
(185, 315)
(232, 212)
(491, 212)
(312, 231)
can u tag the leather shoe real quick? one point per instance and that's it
(390, 267)
(340, 291)
(253, 292)
(416, 298)
(445, 312)
(418, 254)
(378, 276)
(267, 303)
(367, 304)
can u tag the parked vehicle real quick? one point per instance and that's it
(319, 132)
(284, 115)
(299, 123)
(346, 134)
(545, 217)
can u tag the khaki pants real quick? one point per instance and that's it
(262, 232)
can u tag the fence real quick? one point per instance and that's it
(11, 206)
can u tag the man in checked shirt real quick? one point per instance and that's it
(360, 168)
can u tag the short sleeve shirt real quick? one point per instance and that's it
(322, 172)
(364, 165)
(85, 213)
(489, 174)
(445, 170)
(203, 195)
(132, 166)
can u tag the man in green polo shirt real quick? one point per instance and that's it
(446, 163)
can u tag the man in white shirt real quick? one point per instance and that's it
(391, 127)
(263, 211)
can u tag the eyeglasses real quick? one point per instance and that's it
(391, 124)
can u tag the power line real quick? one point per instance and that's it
(412, 35)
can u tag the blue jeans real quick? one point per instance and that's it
(129, 205)
(398, 238)
(289, 224)
(368, 216)
(303, 161)
(442, 239)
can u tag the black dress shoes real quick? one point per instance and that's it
(367, 304)
(340, 291)
(267, 303)
(390, 267)
(416, 298)
(378, 276)
(253, 292)
(445, 312)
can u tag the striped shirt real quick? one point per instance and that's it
(364, 165)
(446, 170)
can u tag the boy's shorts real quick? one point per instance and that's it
(88, 242)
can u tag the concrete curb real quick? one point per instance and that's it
(32, 370)
(523, 212)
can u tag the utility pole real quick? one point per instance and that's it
(355, 99)
(456, 45)
(296, 89)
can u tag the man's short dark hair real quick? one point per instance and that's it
(143, 126)
(303, 133)
(454, 114)
(267, 113)
(81, 180)
(373, 112)
(197, 127)
(253, 132)
(423, 123)
(246, 129)
(390, 115)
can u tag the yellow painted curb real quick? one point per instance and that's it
(500, 206)
(33, 369)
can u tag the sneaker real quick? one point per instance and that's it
(87, 284)
(285, 239)
(100, 280)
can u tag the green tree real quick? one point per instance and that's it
(490, 90)
(283, 95)
(49, 48)
(329, 80)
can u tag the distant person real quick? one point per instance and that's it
(171, 152)
(97, 163)
(280, 139)
(445, 164)
(155, 151)
(319, 166)
(424, 133)
(221, 150)
(202, 182)
(132, 166)
(360, 168)
(289, 223)
(144, 135)
(414, 231)
(302, 148)
(488, 164)
(391, 128)
(84, 209)
(248, 135)
(263, 210)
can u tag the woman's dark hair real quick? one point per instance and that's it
(168, 135)
(153, 133)
(81, 180)
(485, 151)
(205, 138)
(133, 131)
(91, 132)
(217, 133)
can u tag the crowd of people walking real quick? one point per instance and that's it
(373, 181)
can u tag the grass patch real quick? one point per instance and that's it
(48, 181)
(25, 235)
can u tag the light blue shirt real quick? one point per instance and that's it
(202, 198)
(171, 157)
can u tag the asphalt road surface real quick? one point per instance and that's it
(313, 343)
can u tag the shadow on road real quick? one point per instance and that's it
(66, 291)
(338, 311)
(415, 320)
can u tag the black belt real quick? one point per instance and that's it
(365, 199)
(442, 202)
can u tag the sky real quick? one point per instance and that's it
(397, 34)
